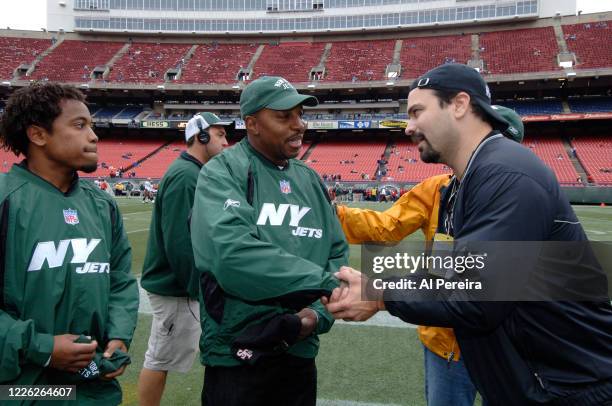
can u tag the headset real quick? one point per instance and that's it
(203, 135)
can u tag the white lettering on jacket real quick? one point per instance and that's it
(56, 256)
(269, 213)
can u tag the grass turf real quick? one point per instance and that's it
(369, 364)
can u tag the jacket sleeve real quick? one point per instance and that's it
(226, 243)
(502, 206)
(176, 205)
(123, 299)
(20, 344)
(337, 258)
(411, 212)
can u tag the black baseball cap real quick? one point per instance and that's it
(462, 78)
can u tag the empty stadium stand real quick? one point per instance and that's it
(405, 165)
(73, 61)
(147, 63)
(591, 42)
(595, 155)
(360, 156)
(121, 153)
(156, 166)
(217, 63)
(359, 60)
(291, 60)
(552, 152)
(591, 105)
(422, 54)
(534, 107)
(15, 51)
(519, 51)
(7, 159)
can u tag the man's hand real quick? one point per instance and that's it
(345, 302)
(108, 352)
(70, 356)
(309, 321)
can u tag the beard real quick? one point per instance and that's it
(89, 168)
(428, 154)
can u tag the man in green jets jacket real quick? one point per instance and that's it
(266, 242)
(168, 273)
(68, 303)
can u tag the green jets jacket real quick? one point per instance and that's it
(168, 267)
(65, 267)
(266, 242)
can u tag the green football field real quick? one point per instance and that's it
(375, 363)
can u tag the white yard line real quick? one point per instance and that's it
(329, 402)
(138, 231)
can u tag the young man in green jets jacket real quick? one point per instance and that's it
(68, 303)
(168, 274)
(266, 242)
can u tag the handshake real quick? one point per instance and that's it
(346, 302)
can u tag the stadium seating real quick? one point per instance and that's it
(108, 112)
(519, 51)
(217, 63)
(361, 155)
(129, 112)
(552, 152)
(534, 107)
(406, 155)
(422, 54)
(595, 155)
(121, 153)
(591, 43)
(147, 63)
(15, 51)
(7, 159)
(591, 105)
(156, 166)
(73, 61)
(291, 60)
(358, 60)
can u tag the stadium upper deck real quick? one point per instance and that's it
(502, 52)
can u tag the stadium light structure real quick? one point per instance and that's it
(236, 86)
(161, 87)
(570, 74)
(390, 83)
(311, 85)
(6, 83)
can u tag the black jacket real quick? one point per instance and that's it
(521, 352)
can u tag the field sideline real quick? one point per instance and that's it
(364, 365)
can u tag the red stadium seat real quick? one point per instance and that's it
(291, 60)
(15, 51)
(217, 63)
(591, 42)
(147, 63)
(364, 60)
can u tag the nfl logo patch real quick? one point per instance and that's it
(71, 217)
(285, 187)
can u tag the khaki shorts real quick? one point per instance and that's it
(175, 333)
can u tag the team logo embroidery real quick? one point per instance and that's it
(283, 83)
(231, 203)
(71, 217)
(285, 187)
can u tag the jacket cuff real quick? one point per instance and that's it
(41, 349)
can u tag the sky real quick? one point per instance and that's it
(12, 12)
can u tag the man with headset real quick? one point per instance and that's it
(168, 272)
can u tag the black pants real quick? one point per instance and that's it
(283, 381)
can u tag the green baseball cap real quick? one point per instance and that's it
(274, 93)
(516, 129)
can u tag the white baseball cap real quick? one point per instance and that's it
(202, 121)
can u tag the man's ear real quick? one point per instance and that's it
(250, 122)
(461, 105)
(37, 135)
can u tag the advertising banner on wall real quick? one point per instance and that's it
(357, 125)
(322, 125)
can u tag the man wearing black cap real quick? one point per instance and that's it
(541, 351)
(266, 243)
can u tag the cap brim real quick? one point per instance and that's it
(499, 123)
(289, 102)
(222, 123)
